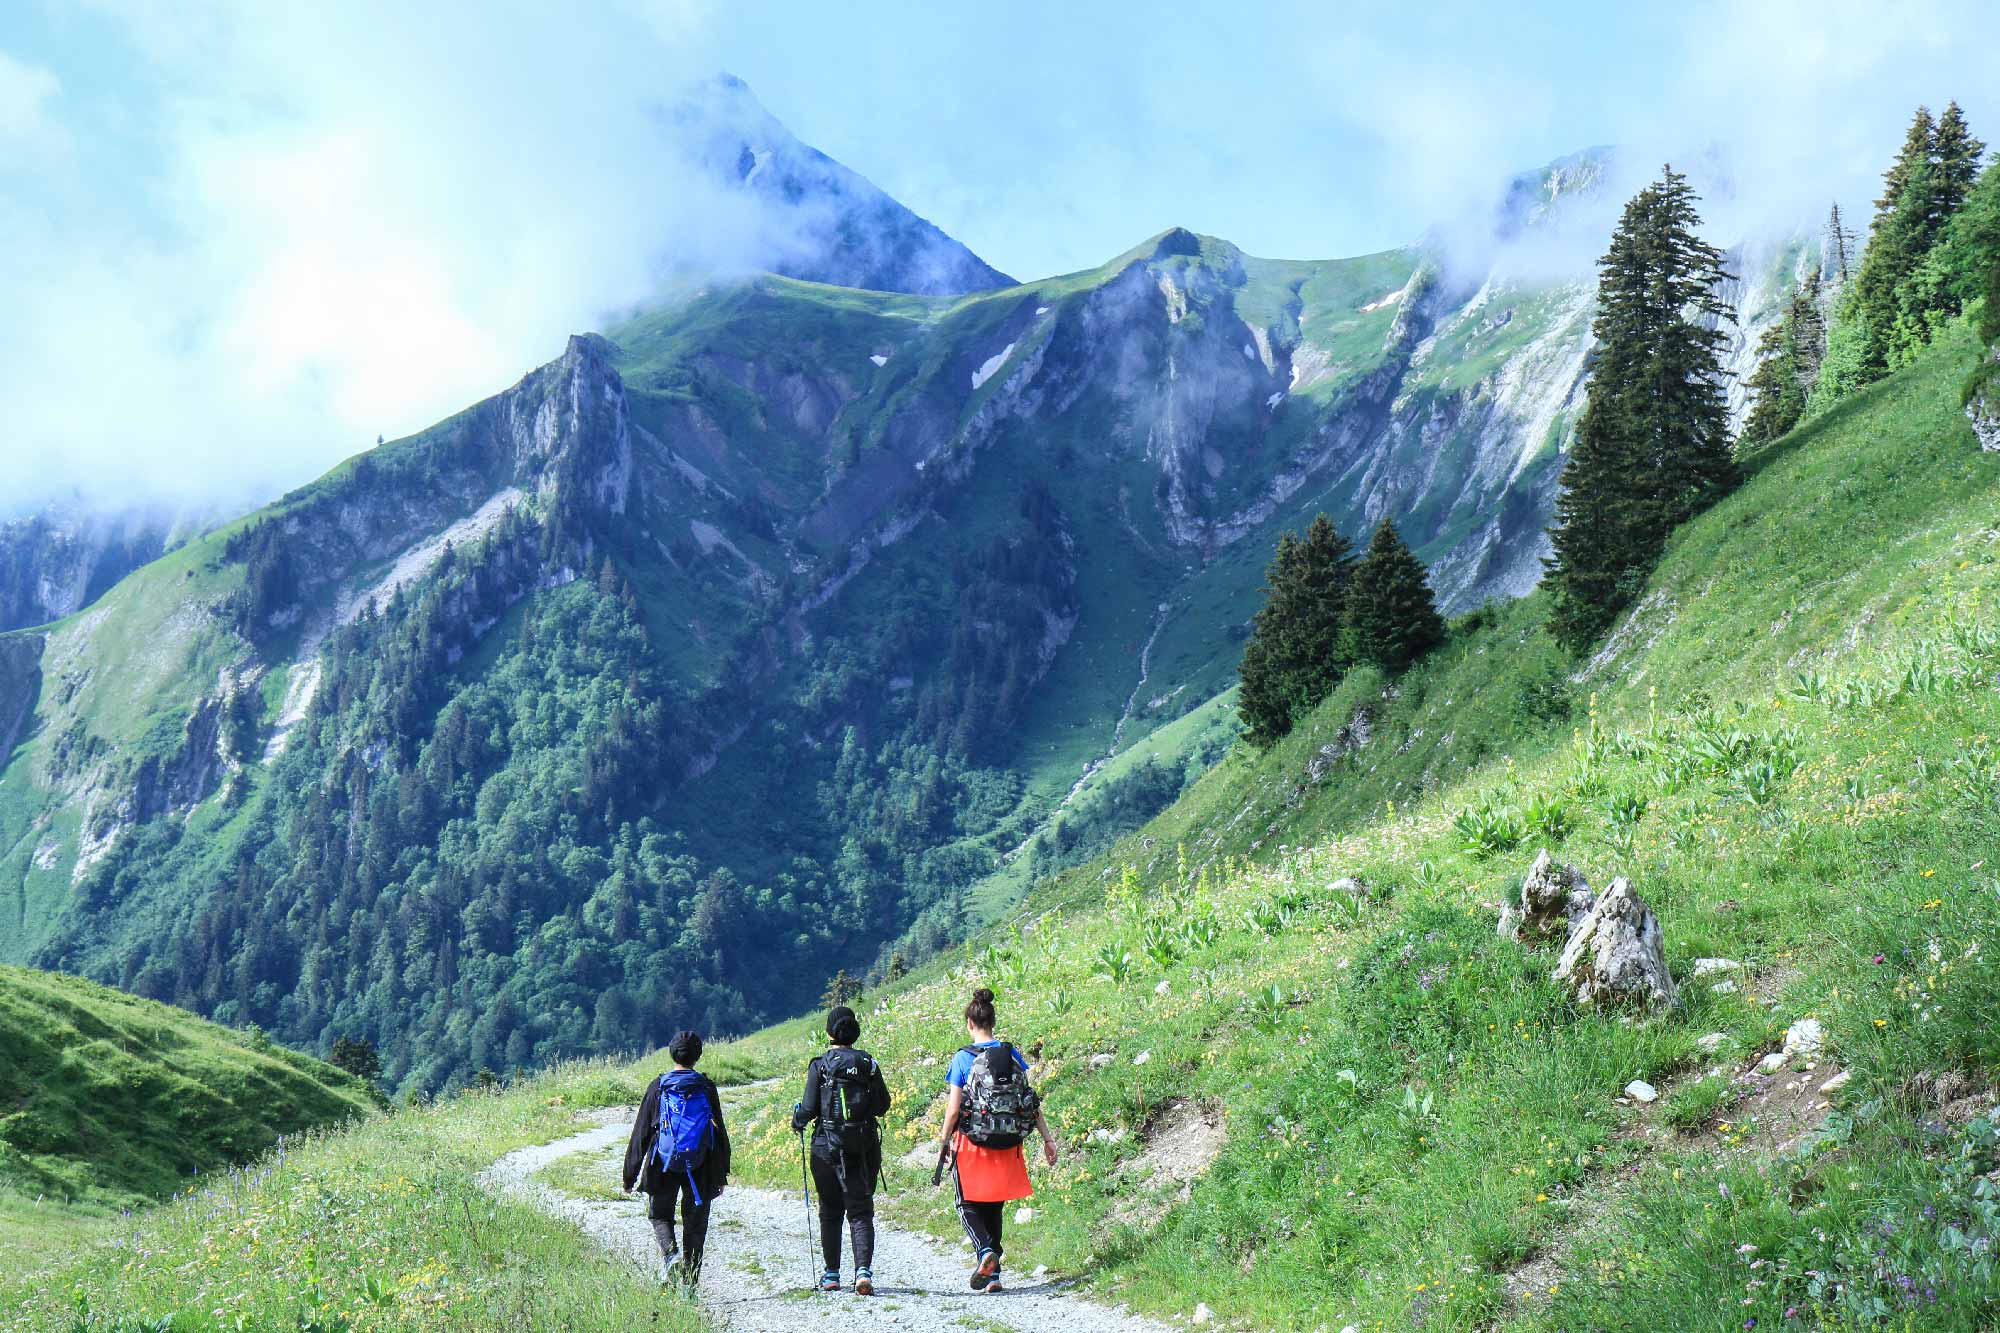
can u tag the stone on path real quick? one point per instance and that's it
(1639, 1090)
(1805, 1039)
(1704, 966)
(1835, 1084)
(1617, 953)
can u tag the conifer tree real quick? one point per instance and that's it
(1839, 245)
(1294, 658)
(1788, 362)
(1768, 418)
(1652, 448)
(1905, 227)
(1958, 156)
(1392, 619)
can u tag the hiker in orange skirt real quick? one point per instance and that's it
(991, 1110)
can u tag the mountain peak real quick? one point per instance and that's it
(831, 224)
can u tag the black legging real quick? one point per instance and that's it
(846, 1188)
(980, 1218)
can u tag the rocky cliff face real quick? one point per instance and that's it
(62, 556)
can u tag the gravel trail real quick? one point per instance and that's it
(757, 1274)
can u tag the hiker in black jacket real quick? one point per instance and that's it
(698, 1183)
(845, 1097)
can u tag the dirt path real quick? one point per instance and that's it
(758, 1272)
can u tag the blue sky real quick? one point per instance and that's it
(244, 243)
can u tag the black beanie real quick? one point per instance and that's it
(842, 1025)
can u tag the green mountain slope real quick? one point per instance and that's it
(766, 630)
(113, 1100)
(1311, 1105)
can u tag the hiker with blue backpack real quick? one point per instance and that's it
(679, 1153)
(988, 1117)
(845, 1099)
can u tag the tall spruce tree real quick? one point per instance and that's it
(1788, 361)
(1652, 448)
(1958, 155)
(1294, 657)
(1392, 619)
(1904, 229)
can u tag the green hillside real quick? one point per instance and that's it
(381, 1226)
(111, 1100)
(1311, 1108)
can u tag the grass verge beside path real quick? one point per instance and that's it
(378, 1227)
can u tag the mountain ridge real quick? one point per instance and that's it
(908, 570)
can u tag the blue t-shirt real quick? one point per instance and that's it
(960, 1068)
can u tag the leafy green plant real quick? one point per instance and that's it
(1759, 783)
(1809, 686)
(1264, 917)
(1160, 942)
(1547, 817)
(1114, 963)
(1488, 831)
(1201, 932)
(1268, 1009)
(1624, 810)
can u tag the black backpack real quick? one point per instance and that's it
(1000, 1108)
(847, 1101)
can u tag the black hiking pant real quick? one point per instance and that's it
(845, 1183)
(980, 1219)
(694, 1220)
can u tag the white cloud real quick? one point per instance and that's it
(349, 223)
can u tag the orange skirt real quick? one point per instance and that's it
(991, 1175)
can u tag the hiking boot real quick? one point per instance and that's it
(988, 1270)
(829, 1280)
(994, 1285)
(864, 1282)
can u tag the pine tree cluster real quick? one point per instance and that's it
(1652, 449)
(1934, 239)
(1324, 613)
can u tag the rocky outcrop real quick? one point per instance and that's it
(20, 687)
(1554, 901)
(1617, 954)
(63, 556)
(1982, 405)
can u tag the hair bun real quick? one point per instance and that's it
(982, 996)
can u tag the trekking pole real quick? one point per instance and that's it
(805, 1197)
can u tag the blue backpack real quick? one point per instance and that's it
(687, 1126)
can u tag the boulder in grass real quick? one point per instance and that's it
(1617, 954)
(1554, 899)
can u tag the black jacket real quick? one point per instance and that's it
(642, 1165)
(809, 1109)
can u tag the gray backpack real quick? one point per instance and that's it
(1000, 1107)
